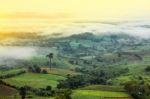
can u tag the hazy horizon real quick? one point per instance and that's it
(50, 16)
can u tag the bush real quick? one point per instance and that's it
(63, 94)
(34, 69)
(138, 90)
(48, 88)
(44, 91)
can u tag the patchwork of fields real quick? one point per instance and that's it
(36, 80)
(96, 62)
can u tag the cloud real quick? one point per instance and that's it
(135, 28)
(145, 26)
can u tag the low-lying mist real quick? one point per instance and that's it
(18, 55)
(16, 52)
(140, 28)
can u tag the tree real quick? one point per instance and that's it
(23, 92)
(50, 56)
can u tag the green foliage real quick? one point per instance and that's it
(91, 76)
(72, 82)
(44, 92)
(138, 90)
(63, 94)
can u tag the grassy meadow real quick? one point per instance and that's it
(35, 80)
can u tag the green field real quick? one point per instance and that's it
(35, 80)
(95, 94)
(99, 91)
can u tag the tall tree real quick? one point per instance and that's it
(50, 56)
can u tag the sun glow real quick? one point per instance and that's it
(28, 15)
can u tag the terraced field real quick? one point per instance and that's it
(105, 88)
(11, 71)
(95, 94)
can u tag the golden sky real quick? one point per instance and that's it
(26, 15)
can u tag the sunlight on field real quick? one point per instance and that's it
(93, 94)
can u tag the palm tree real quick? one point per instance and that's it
(50, 56)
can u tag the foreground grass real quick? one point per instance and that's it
(35, 80)
(95, 94)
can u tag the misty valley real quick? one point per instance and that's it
(79, 66)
